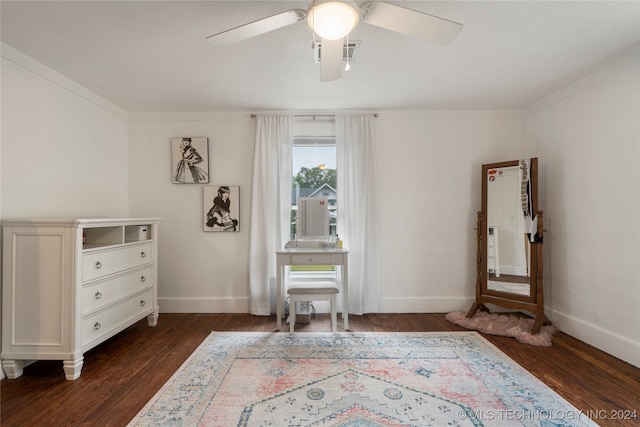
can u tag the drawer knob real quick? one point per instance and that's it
(98, 264)
(98, 295)
(142, 303)
(143, 254)
(97, 326)
(143, 279)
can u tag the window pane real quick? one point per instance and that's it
(314, 175)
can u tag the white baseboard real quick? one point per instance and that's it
(387, 305)
(425, 305)
(616, 345)
(204, 305)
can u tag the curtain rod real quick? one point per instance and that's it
(254, 115)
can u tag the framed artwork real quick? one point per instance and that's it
(221, 208)
(190, 160)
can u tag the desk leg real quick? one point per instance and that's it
(345, 296)
(279, 297)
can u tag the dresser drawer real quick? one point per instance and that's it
(102, 263)
(104, 322)
(315, 259)
(100, 294)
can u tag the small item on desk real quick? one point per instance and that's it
(338, 241)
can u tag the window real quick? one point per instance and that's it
(314, 175)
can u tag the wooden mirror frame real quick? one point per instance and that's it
(534, 302)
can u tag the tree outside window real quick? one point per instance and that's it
(315, 175)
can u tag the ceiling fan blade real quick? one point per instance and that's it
(331, 52)
(410, 22)
(258, 27)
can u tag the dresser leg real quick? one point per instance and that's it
(72, 368)
(13, 368)
(152, 319)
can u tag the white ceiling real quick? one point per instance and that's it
(151, 56)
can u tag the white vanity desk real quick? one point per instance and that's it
(312, 256)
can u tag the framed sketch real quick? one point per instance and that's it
(221, 208)
(190, 160)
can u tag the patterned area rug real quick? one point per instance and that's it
(354, 380)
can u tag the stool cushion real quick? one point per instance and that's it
(313, 288)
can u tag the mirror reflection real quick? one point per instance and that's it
(508, 224)
(509, 241)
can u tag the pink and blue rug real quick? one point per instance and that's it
(354, 380)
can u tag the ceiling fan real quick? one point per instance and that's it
(332, 21)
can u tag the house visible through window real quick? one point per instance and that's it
(314, 175)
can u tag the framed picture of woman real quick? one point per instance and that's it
(190, 160)
(221, 208)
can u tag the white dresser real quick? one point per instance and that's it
(70, 284)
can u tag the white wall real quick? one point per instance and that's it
(588, 140)
(197, 271)
(429, 166)
(64, 151)
(430, 172)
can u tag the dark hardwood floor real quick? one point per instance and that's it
(122, 374)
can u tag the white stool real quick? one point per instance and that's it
(312, 291)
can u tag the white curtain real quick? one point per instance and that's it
(358, 210)
(270, 207)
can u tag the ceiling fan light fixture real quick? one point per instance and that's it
(333, 20)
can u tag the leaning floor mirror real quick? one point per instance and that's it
(509, 238)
